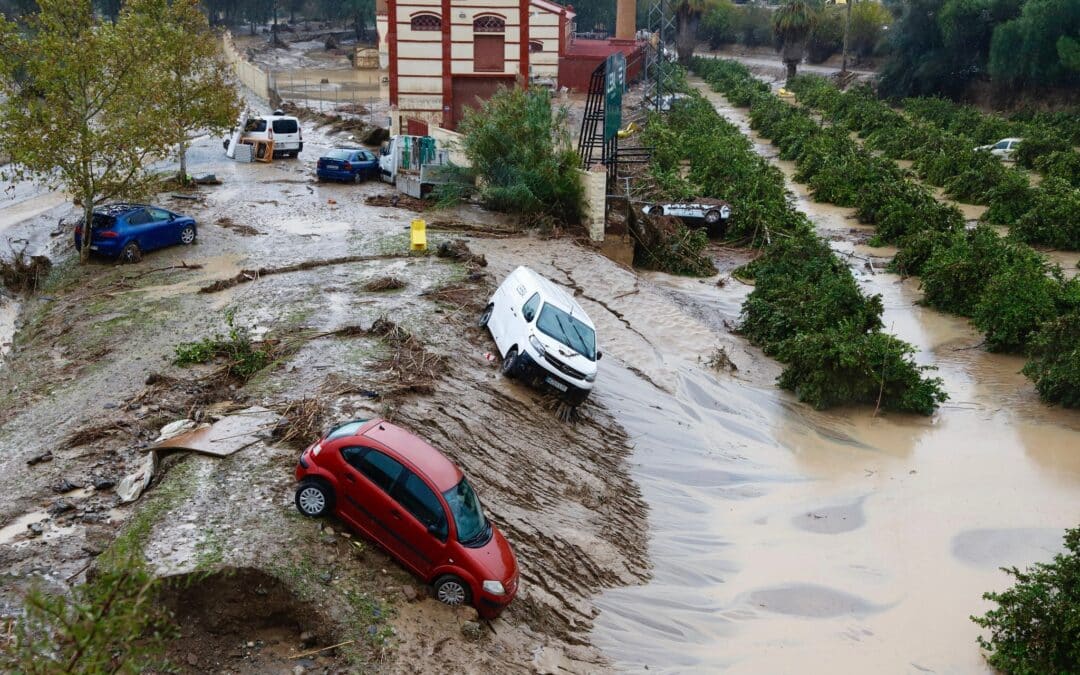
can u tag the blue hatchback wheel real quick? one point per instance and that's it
(187, 235)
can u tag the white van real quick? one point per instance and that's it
(543, 335)
(284, 130)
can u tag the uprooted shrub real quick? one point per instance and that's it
(666, 245)
(23, 273)
(113, 623)
(801, 287)
(1055, 361)
(1054, 217)
(242, 356)
(520, 149)
(1036, 625)
(844, 365)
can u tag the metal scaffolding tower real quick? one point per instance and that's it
(657, 63)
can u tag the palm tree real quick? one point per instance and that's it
(688, 14)
(792, 24)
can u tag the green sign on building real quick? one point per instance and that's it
(614, 85)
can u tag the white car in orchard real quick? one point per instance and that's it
(714, 214)
(1003, 148)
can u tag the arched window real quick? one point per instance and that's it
(427, 22)
(535, 46)
(489, 24)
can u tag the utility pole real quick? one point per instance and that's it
(847, 29)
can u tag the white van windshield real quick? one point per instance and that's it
(559, 325)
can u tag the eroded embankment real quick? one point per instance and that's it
(561, 493)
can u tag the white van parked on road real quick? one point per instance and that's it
(543, 335)
(284, 130)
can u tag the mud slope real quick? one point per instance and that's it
(77, 388)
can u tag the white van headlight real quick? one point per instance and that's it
(494, 587)
(537, 345)
(591, 377)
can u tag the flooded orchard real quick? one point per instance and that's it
(693, 517)
(788, 540)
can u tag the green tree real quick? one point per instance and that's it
(718, 24)
(1025, 51)
(82, 110)
(1036, 626)
(522, 151)
(111, 624)
(688, 15)
(868, 22)
(360, 13)
(792, 25)
(596, 15)
(199, 89)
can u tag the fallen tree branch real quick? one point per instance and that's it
(250, 275)
(181, 266)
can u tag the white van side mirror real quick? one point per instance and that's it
(599, 355)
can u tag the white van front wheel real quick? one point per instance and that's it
(509, 364)
(485, 316)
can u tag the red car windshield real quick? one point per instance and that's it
(472, 527)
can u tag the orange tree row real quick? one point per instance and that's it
(1020, 301)
(806, 309)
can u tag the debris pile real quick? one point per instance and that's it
(386, 283)
(412, 367)
(24, 273)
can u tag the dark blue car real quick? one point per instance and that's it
(347, 164)
(126, 231)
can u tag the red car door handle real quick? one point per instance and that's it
(349, 478)
(395, 513)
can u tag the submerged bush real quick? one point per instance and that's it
(1015, 302)
(1011, 198)
(1062, 164)
(801, 287)
(841, 366)
(1054, 216)
(1055, 362)
(1038, 142)
(1036, 626)
(955, 275)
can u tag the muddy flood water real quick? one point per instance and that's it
(788, 540)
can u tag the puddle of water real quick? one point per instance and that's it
(309, 228)
(16, 527)
(217, 267)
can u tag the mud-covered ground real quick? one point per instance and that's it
(90, 380)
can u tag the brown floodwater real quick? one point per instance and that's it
(790, 540)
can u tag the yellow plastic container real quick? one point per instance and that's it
(418, 235)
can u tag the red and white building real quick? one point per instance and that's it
(444, 55)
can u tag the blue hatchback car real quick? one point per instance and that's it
(347, 164)
(126, 231)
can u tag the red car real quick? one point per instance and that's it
(414, 502)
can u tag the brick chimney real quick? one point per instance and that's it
(626, 20)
